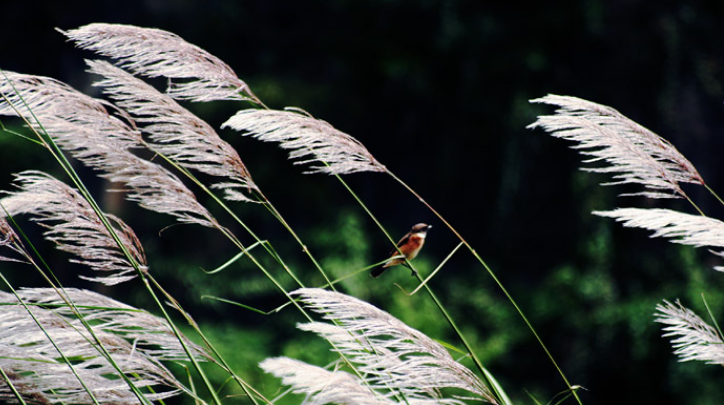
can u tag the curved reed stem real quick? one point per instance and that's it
(497, 281)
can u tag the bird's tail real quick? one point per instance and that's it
(377, 271)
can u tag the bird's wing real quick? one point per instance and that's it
(401, 242)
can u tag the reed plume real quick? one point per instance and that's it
(633, 153)
(686, 229)
(74, 226)
(87, 127)
(174, 131)
(312, 140)
(156, 53)
(691, 337)
(636, 155)
(33, 358)
(103, 137)
(399, 364)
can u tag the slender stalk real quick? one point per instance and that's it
(281, 219)
(59, 156)
(243, 384)
(12, 387)
(226, 208)
(47, 335)
(711, 316)
(497, 281)
(714, 194)
(500, 395)
(429, 277)
(71, 305)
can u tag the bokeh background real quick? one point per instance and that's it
(438, 91)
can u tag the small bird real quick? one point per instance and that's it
(409, 245)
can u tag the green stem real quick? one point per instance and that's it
(244, 386)
(50, 144)
(17, 395)
(500, 395)
(714, 194)
(281, 219)
(497, 281)
(244, 250)
(47, 335)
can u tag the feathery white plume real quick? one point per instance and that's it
(399, 364)
(83, 126)
(633, 153)
(75, 227)
(686, 229)
(692, 338)
(323, 386)
(136, 340)
(174, 131)
(152, 53)
(310, 139)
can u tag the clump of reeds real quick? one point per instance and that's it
(635, 155)
(63, 345)
(396, 364)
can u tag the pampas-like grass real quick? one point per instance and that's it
(33, 357)
(309, 139)
(633, 153)
(75, 227)
(686, 229)
(398, 364)
(152, 52)
(691, 337)
(322, 386)
(85, 127)
(174, 131)
(637, 155)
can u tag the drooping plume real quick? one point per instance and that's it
(309, 139)
(137, 341)
(399, 364)
(75, 227)
(686, 229)
(691, 337)
(85, 127)
(174, 131)
(633, 153)
(156, 53)
(324, 386)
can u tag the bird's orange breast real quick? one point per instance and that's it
(412, 246)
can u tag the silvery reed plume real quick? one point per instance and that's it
(197, 75)
(384, 360)
(635, 155)
(398, 364)
(49, 356)
(103, 137)
(75, 227)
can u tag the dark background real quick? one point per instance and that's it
(438, 92)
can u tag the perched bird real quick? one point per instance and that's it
(409, 246)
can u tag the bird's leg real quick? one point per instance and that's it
(414, 273)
